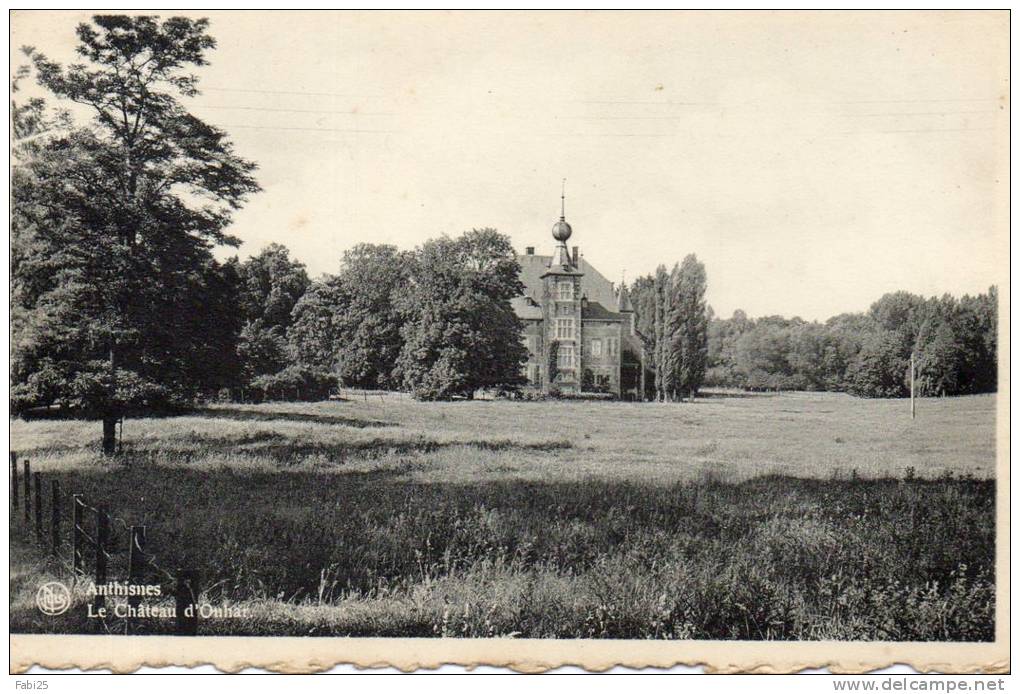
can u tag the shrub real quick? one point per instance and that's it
(294, 383)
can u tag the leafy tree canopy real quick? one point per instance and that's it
(113, 220)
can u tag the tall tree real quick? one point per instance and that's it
(878, 369)
(659, 358)
(349, 323)
(723, 334)
(981, 315)
(763, 355)
(460, 332)
(369, 341)
(123, 211)
(689, 327)
(672, 330)
(642, 294)
(672, 318)
(318, 324)
(271, 286)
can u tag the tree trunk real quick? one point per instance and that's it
(109, 434)
(110, 416)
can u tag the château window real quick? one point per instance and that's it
(564, 328)
(565, 357)
(612, 346)
(565, 291)
(596, 348)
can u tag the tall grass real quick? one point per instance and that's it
(365, 536)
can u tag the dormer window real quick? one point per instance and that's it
(565, 290)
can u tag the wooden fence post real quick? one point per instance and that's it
(14, 479)
(76, 538)
(55, 516)
(187, 602)
(102, 541)
(27, 469)
(38, 505)
(136, 551)
(135, 563)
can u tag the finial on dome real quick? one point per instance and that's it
(561, 231)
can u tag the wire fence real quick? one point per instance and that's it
(355, 394)
(97, 544)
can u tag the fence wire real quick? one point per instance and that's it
(67, 509)
(111, 549)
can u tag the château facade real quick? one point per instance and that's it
(579, 328)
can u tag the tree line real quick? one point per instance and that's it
(118, 304)
(953, 343)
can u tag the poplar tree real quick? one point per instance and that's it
(690, 327)
(659, 346)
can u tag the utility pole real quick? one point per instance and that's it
(912, 409)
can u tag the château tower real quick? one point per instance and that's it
(562, 301)
(579, 328)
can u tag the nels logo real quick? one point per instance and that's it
(53, 598)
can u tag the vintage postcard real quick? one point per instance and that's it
(522, 339)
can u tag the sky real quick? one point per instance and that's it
(811, 161)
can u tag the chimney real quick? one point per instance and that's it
(530, 250)
(575, 255)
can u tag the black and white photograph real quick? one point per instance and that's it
(577, 332)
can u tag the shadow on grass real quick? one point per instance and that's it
(731, 394)
(186, 448)
(190, 448)
(244, 414)
(286, 452)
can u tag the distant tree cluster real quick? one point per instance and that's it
(672, 317)
(954, 343)
(436, 321)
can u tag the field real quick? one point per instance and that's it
(793, 516)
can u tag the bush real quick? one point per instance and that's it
(294, 383)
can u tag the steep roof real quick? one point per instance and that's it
(593, 284)
(526, 308)
(596, 311)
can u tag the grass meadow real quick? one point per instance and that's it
(792, 516)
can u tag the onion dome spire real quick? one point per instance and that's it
(561, 231)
